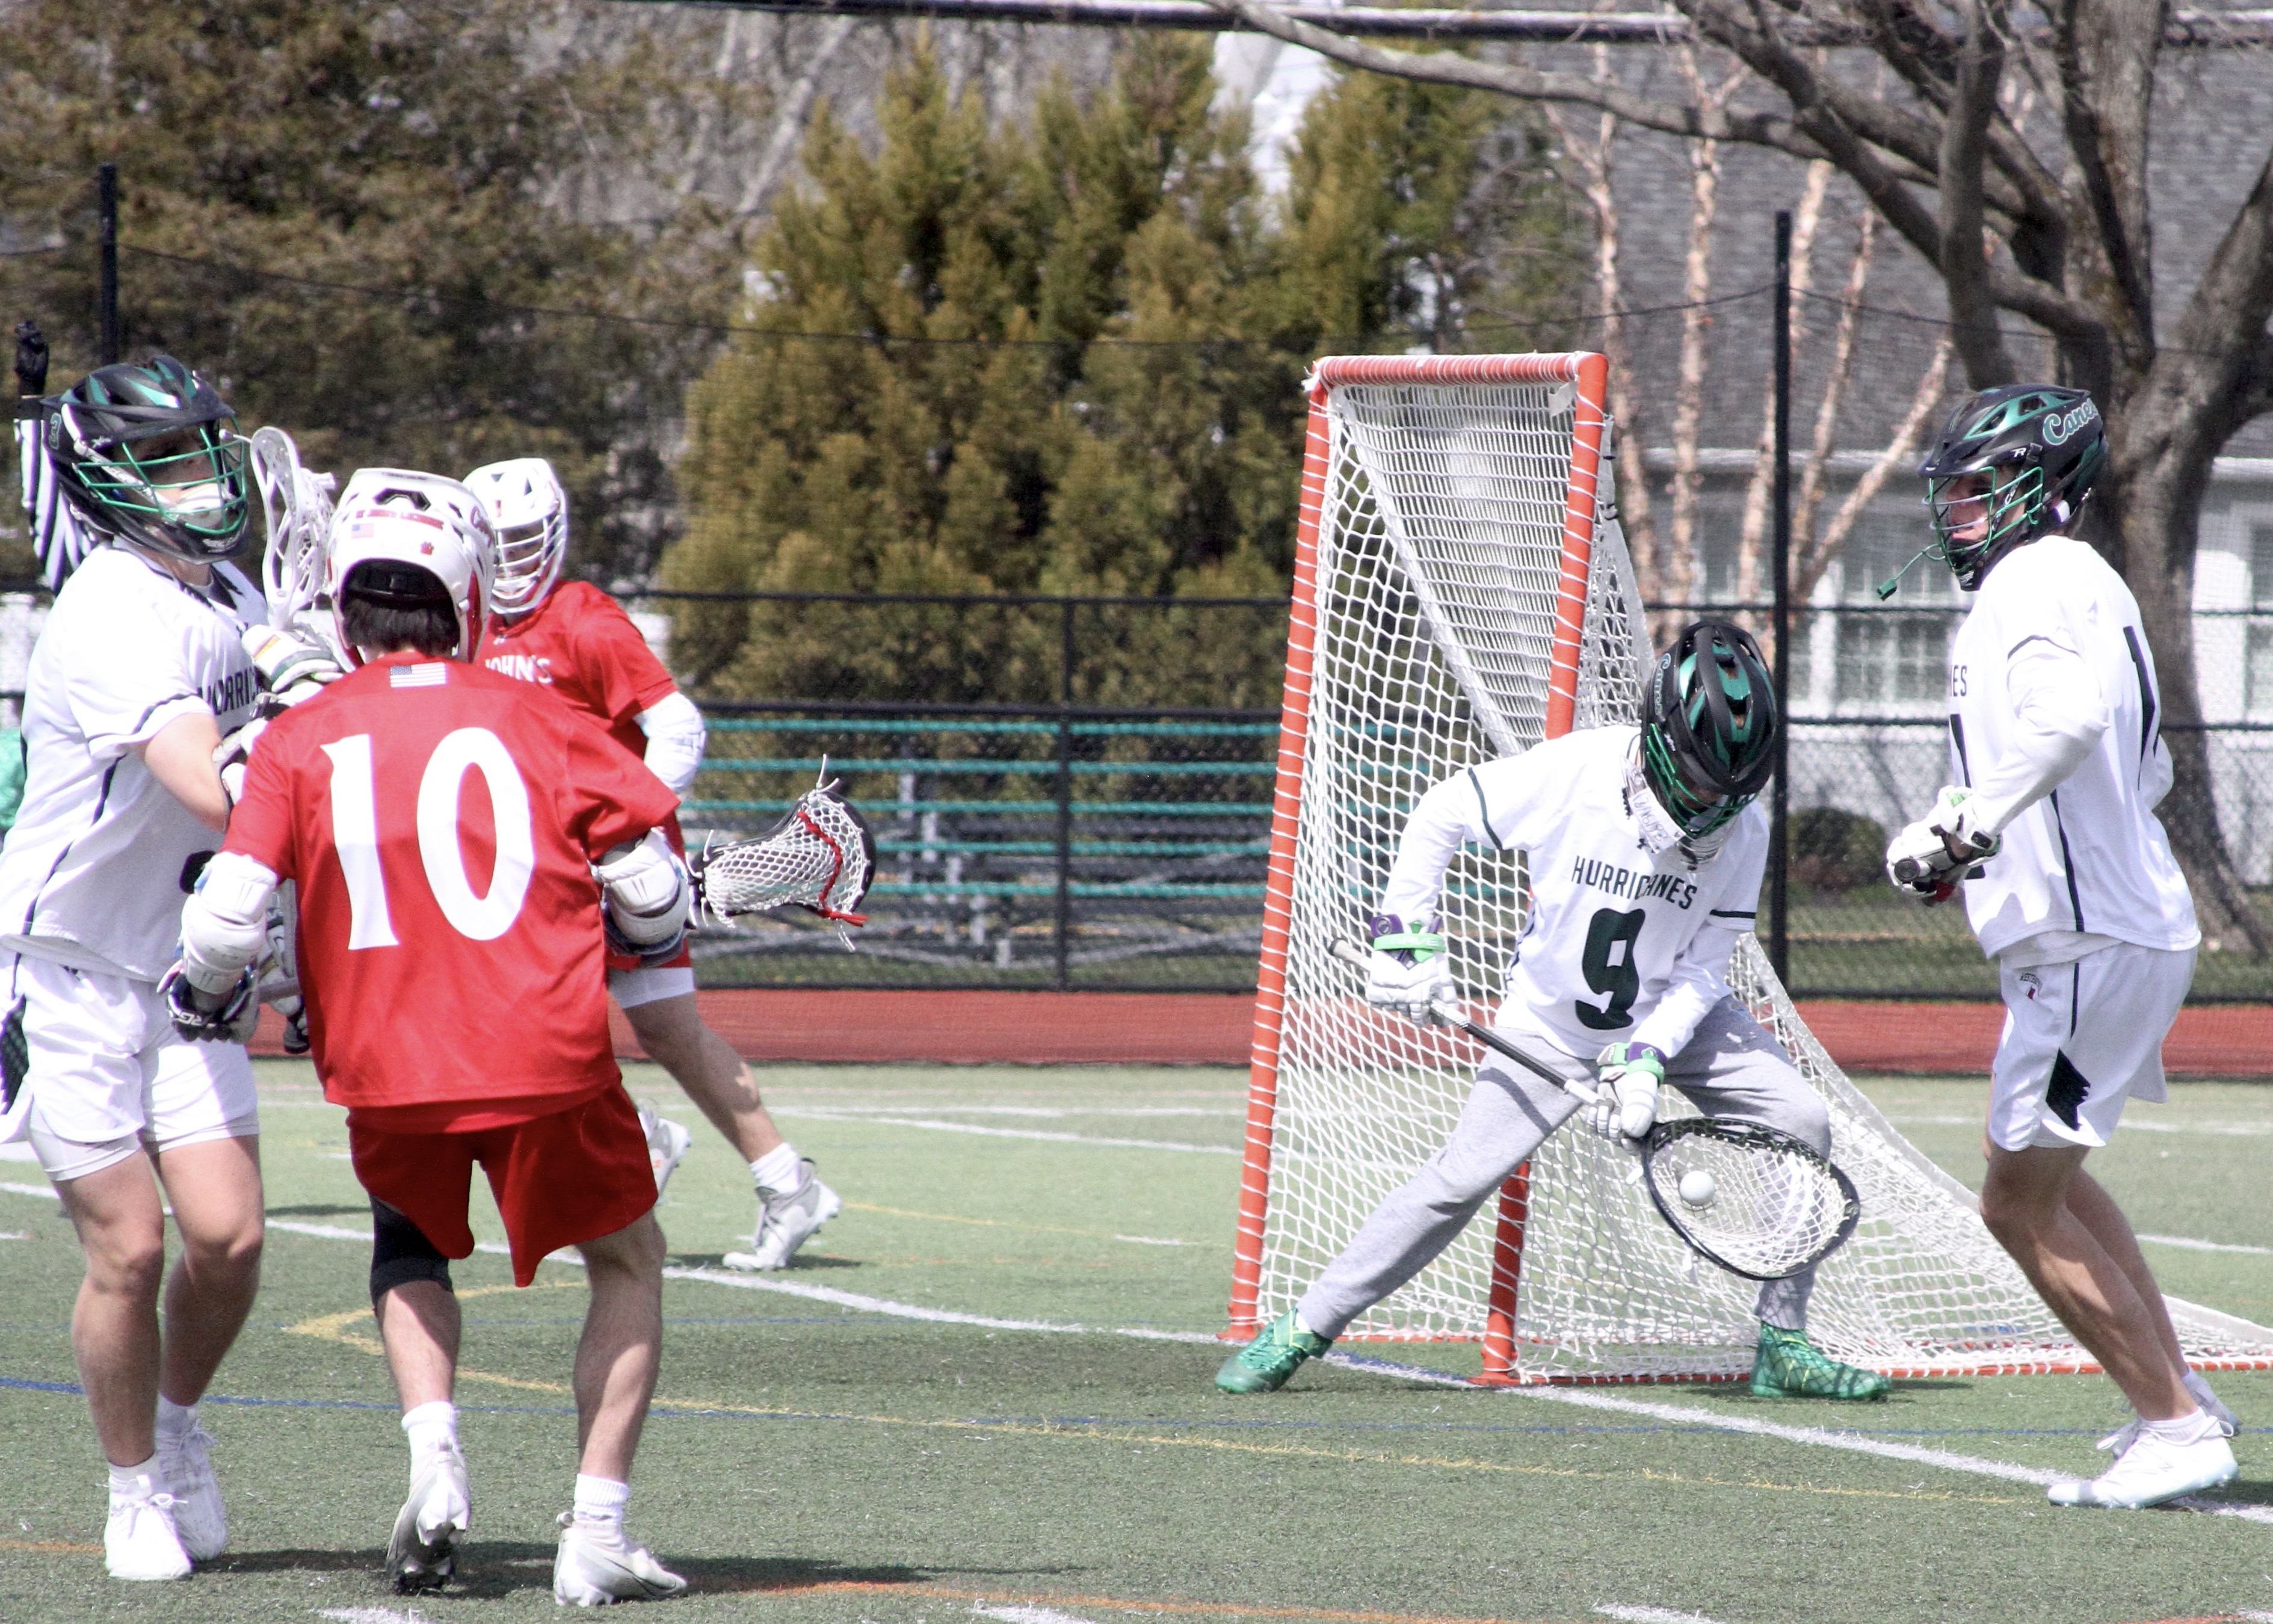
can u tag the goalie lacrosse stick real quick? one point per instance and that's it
(1768, 1204)
(820, 858)
(297, 507)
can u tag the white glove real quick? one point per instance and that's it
(291, 671)
(1930, 857)
(231, 754)
(1628, 1075)
(1408, 970)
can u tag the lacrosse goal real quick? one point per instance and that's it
(1462, 591)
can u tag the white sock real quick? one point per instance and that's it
(776, 1170)
(2191, 1428)
(600, 1499)
(432, 1428)
(175, 1420)
(136, 1482)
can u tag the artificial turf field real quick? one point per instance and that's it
(835, 1457)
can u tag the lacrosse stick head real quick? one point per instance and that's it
(296, 506)
(820, 857)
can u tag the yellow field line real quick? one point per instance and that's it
(332, 1328)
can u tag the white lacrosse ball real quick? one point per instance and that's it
(1698, 1189)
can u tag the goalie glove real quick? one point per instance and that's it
(1932, 858)
(291, 670)
(1408, 972)
(1626, 1106)
(227, 1017)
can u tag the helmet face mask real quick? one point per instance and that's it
(1709, 728)
(2022, 458)
(150, 455)
(530, 513)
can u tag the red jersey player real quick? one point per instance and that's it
(446, 837)
(577, 640)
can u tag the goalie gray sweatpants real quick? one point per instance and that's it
(1730, 1068)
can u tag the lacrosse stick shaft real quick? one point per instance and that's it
(1450, 1014)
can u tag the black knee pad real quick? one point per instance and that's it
(401, 1254)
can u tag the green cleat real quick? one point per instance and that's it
(1264, 1363)
(1788, 1365)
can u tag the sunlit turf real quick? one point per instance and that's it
(815, 1459)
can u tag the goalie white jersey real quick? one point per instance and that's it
(1619, 946)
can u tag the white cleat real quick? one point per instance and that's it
(666, 1146)
(2150, 1472)
(139, 1541)
(597, 1564)
(423, 1552)
(2123, 1437)
(185, 1467)
(785, 1223)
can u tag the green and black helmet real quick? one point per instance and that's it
(2040, 448)
(1709, 729)
(151, 454)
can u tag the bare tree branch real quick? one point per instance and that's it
(2106, 57)
(2235, 295)
(1964, 260)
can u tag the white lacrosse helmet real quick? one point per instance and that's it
(428, 522)
(530, 513)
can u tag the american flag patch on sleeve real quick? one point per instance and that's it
(419, 676)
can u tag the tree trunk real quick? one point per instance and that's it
(2153, 491)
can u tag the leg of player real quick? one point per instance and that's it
(213, 1186)
(793, 1202)
(2180, 1445)
(616, 1362)
(1732, 1067)
(115, 1341)
(418, 1323)
(1509, 1116)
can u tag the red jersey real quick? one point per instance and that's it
(580, 644)
(441, 829)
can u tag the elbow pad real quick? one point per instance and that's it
(675, 738)
(225, 922)
(646, 896)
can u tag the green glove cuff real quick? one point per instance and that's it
(1421, 944)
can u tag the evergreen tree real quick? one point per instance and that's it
(1065, 356)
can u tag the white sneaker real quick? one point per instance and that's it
(139, 1541)
(2151, 1472)
(423, 1552)
(185, 1467)
(785, 1223)
(666, 1146)
(2123, 1437)
(597, 1564)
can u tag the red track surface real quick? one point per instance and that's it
(970, 1028)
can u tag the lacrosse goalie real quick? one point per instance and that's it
(573, 638)
(134, 483)
(1645, 857)
(460, 853)
(2050, 831)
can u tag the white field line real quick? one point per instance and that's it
(1650, 1615)
(1021, 1110)
(368, 1615)
(46, 1190)
(2229, 1129)
(1019, 1614)
(2195, 1246)
(1015, 1133)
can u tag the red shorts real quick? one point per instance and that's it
(560, 1180)
(632, 961)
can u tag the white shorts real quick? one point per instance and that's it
(2080, 1039)
(630, 989)
(108, 1075)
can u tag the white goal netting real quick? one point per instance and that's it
(1444, 525)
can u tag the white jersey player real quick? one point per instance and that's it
(2070, 883)
(1646, 856)
(141, 669)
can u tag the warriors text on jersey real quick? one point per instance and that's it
(441, 829)
(93, 871)
(1619, 946)
(2054, 641)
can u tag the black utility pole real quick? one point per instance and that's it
(1062, 936)
(106, 306)
(1779, 827)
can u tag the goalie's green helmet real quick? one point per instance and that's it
(2038, 446)
(1709, 722)
(151, 454)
